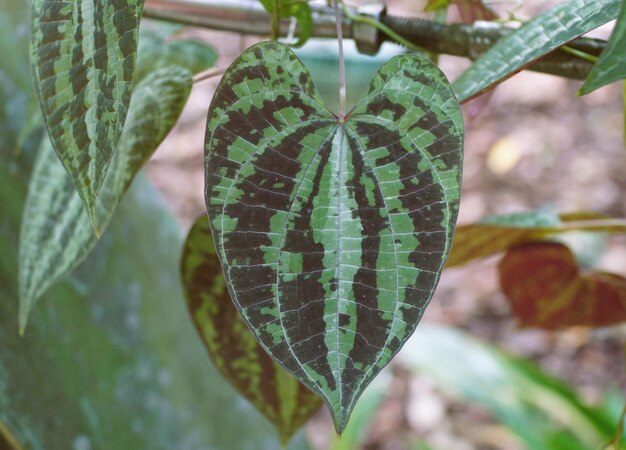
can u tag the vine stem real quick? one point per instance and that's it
(342, 65)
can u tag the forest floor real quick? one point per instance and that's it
(532, 144)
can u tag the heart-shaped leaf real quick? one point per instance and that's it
(498, 233)
(232, 347)
(332, 234)
(83, 57)
(56, 233)
(546, 289)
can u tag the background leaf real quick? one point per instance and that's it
(469, 10)
(546, 289)
(535, 38)
(57, 232)
(611, 66)
(543, 412)
(299, 9)
(498, 233)
(330, 254)
(231, 345)
(83, 57)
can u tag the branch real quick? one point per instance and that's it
(469, 41)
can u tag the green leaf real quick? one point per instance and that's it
(332, 236)
(535, 38)
(611, 66)
(299, 9)
(83, 59)
(158, 53)
(56, 230)
(275, 393)
(542, 411)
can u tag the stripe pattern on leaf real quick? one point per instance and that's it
(83, 59)
(56, 233)
(281, 398)
(332, 236)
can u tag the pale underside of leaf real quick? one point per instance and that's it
(332, 237)
(534, 39)
(57, 233)
(83, 60)
(611, 66)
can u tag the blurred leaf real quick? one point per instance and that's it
(299, 9)
(498, 233)
(611, 66)
(535, 38)
(57, 232)
(469, 10)
(544, 413)
(286, 402)
(157, 52)
(546, 289)
(330, 241)
(83, 62)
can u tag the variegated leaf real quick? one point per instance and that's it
(83, 59)
(277, 394)
(56, 233)
(332, 234)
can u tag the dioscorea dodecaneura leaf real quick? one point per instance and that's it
(56, 233)
(332, 234)
(286, 402)
(83, 60)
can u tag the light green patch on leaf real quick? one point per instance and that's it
(57, 232)
(83, 62)
(544, 33)
(332, 236)
(611, 66)
(275, 393)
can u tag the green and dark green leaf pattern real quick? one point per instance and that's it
(279, 396)
(57, 233)
(332, 236)
(83, 59)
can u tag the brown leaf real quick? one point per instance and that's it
(546, 289)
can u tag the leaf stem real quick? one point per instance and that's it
(342, 65)
(205, 75)
(385, 29)
(579, 54)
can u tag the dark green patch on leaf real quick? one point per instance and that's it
(332, 236)
(232, 347)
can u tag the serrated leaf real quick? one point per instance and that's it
(56, 233)
(275, 393)
(546, 289)
(83, 61)
(611, 66)
(332, 236)
(535, 38)
(497, 234)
